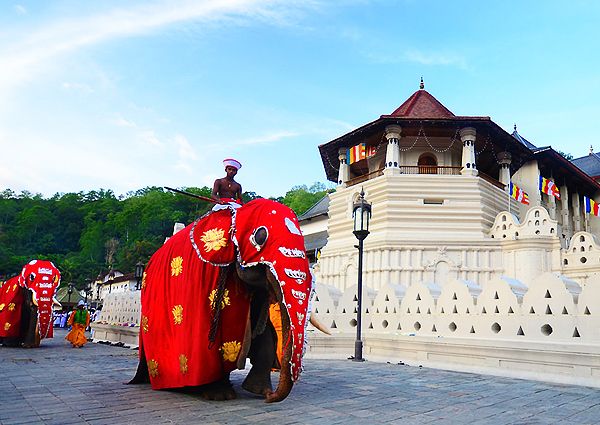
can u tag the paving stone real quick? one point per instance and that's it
(58, 385)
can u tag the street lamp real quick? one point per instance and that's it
(70, 291)
(138, 274)
(88, 289)
(361, 213)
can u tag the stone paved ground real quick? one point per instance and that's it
(57, 384)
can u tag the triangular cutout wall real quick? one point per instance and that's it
(316, 310)
(472, 330)
(587, 311)
(547, 294)
(454, 296)
(454, 310)
(531, 310)
(548, 309)
(496, 310)
(333, 325)
(520, 331)
(564, 311)
(355, 298)
(510, 310)
(418, 310)
(576, 333)
(496, 295)
(483, 310)
(418, 297)
(433, 329)
(387, 298)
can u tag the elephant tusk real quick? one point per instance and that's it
(317, 324)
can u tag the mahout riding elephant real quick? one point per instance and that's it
(26, 303)
(206, 295)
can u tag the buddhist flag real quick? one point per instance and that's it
(359, 152)
(518, 193)
(591, 206)
(549, 188)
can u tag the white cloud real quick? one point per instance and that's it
(23, 60)
(20, 9)
(148, 137)
(420, 57)
(77, 87)
(123, 122)
(268, 138)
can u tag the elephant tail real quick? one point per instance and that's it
(141, 375)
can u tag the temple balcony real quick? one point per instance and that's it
(424, 170)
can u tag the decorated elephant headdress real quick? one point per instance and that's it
(42, 278)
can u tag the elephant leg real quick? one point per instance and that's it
(263, 346)
(218, 391)
(29, 324)
(262, 357)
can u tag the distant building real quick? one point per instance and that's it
(313, 224)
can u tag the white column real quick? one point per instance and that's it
(552, 205)
(467, 135)
(576, 213)
(344, 171)
(564, 211)
(392, 155)
(504, 159)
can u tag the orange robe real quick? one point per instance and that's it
(77, 334)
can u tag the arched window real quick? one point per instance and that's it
(427, 164)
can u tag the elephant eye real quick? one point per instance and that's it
(259, 237)
(32, 277)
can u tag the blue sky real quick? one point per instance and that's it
(124, 95)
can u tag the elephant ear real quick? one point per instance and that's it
(210, 236)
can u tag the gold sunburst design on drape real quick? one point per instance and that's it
(224, 302)
(15, 287)
(7, 326)
(183, 366)
(178, 314)
(145, 323)
(2, 306)
(144, 280)
(176, 266)
(11, 307)
(230, 350)
(213, 239)
(153, 368)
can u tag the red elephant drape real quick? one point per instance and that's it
(181, 281)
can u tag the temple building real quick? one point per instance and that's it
(437, 182)
(482, 254)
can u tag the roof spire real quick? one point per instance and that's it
(422, 85)
(515, 127)
(591, 149)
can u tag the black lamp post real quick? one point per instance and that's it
(138, 274)
(70, 291)
(88, 289)
(361, 214)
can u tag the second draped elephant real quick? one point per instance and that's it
(206, 297)
(26, 303)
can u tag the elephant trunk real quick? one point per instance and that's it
(285, 383)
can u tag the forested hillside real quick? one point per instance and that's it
(85, 234)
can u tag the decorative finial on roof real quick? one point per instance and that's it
(515, 127)
(422, 85)
(591, 149)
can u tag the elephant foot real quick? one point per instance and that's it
(218, 391)
(258, 382)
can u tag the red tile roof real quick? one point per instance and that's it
(422, 105)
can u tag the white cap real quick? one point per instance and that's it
(80, 303)
(230, 162)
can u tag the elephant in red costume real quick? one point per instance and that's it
(206, 295)
(26, 305)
